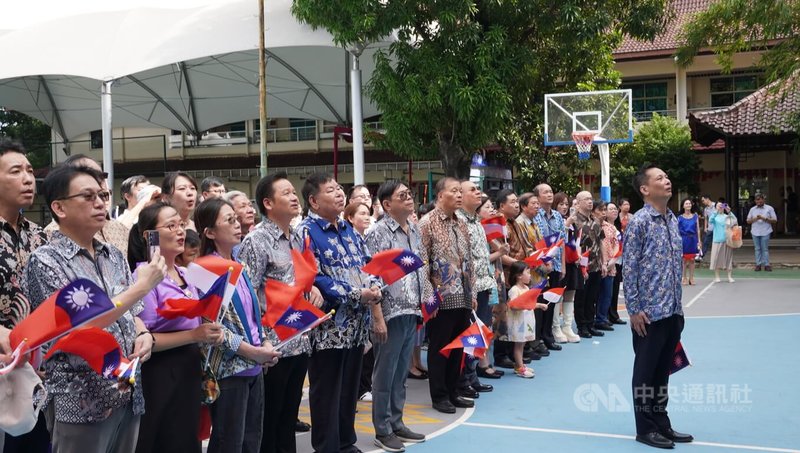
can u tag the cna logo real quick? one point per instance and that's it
(593, 398)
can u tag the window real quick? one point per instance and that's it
(648, 98)
(96, 139)
(302, 129)
(728, 90)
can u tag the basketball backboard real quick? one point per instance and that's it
(607, 113)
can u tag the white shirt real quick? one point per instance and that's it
(761, 227)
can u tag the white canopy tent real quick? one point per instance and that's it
(188, 67)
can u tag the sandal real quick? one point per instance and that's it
(421, 376)
(485, 373)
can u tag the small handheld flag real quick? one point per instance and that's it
(471, 340)
(97, 347)
(430, 306)
(679, 359)
(554, 295)
(548, 241)
(305, 329)
(204, 272)
(494, 227)
(287, 312)
(207, 306)
(526, 300)
(392, 265)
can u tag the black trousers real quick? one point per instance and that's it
(544, 318)
(613, 315)
(36, 441)
(334, 376)
(283, 391)
(171, 386)
(443, 372)
(586, 301)
(651, 365)
(367, 365)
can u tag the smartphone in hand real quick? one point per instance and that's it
(151, 238)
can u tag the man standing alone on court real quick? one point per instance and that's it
(652, 268)
(761, 218)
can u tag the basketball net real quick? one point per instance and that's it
(583, 141)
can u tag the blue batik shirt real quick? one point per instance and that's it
(653, 255)
(549, 225)
(340, 254)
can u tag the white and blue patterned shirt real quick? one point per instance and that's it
(549, 225)
(653, 256)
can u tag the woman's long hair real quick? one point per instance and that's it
(205, 217)
(148, 219)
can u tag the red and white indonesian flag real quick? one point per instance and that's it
(204, 271)
(554, 295)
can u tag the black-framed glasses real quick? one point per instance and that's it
(405, 195)
(172, 226)
(89, 197)
(230, 220)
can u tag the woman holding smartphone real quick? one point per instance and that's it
(171, 379)
(721, 254)
(237, 415)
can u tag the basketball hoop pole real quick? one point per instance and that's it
(605, 172)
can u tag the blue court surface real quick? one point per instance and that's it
(741, 394)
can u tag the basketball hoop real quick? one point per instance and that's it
(583, 141)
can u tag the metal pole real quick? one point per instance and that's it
(357, 120)
(783, 195)
(108, 140)
(605, 172)
(262, 89)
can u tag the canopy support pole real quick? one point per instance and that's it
(262, 91)
(108, 140)
(357, 120)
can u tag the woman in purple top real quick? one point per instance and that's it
(171, 379)
(236, 416)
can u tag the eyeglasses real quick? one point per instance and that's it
(174, 226)
(89, 197)
(231, 220)
(403, 196)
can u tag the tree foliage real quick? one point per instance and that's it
(665, 142)
(463, 74)
(32, 133)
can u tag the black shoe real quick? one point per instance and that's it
(527, 360)
(462, 402)
(302, 427)
(390, 443)
(604, 326)
(406, 435)
(422, 376)
(468, 392)
(482, 388)
(596, 333)
(583, 333)
(619, 322)
(552, 346)
(655, 440)
(495, 374)
(541, 349)
(676, 436)
(505, 362)
(445, 407)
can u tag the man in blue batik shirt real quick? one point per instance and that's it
(652, 269)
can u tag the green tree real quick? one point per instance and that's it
(32, 133)
(462, 73)
(665, 142)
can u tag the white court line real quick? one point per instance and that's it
(623, 436)
(763, 315)
(458, 422)
(694, 299)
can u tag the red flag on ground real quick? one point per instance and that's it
(526, 300)
(68, 308)
(392, 265)
(287, 312)
(494, 227)
(207, 306)
(679, 359)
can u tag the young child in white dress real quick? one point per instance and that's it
(521, 323)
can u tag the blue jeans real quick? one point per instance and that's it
(392, 361)
(708, 238)
(762, 250)
(604, 302)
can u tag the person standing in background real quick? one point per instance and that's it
(761, 218)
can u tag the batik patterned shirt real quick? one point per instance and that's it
(479, 249)
(549, 225)
(653, 256)
(445, 249)
(592, 240)
(404, 296)
(79, 394)
(15, 249)
(340, 254)
(266, 252)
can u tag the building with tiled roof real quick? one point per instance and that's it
(666, 43)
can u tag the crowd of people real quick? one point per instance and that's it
(366, 351)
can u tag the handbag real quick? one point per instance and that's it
(733, 237)
(209, 386)
(17, 398)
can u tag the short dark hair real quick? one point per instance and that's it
(641, 178)
(440, 184)
(128, 184)
(266, 189)
(387, 189)
(168, 184)
(424, 208)
(8, 145)
(209, 182)
(148, 218)
(73, 159)
(56, 184)
(760, 195)
(192, 239)
(502, 197)
(525, 198)
(313, 182)
(516, 269)
(353, 190)
(205, 216)
(598, 204)
(560, 197)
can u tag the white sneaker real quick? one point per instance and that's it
(366, 397)
(716, 280)
(731, 280)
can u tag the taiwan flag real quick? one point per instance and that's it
(471, 340)
(548, 241)
(554, 295)
(97, 347)
(526, 300)
(208, 306)
(430, 306)
(536, 259)
(679, 359)
(572, 248)
(392, 265)
(305, 267)
(494, 227)
(68, 308)
(204, 272)
(287, 312)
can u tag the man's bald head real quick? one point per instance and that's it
(584, 202)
